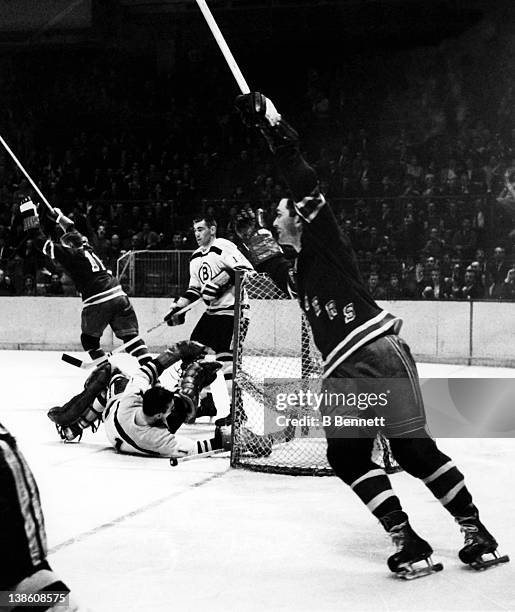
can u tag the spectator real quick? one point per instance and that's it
(393, 290)
(435, 246)
(497, 271)
(55, 287)
(471, 289)
(376, 290)
(6, 287)
(508, 289)
(29, 285)
(466, 239)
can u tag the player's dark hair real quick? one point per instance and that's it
(156, 400)
(290, 205)
(210, 221)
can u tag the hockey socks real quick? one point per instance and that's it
(447, 484)
(375, 491)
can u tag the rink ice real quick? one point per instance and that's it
(132, 533)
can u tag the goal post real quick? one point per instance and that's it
(274, 350)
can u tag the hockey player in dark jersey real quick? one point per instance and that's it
(24, 568)
(104, 302)
(359, 340)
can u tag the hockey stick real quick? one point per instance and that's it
(18, 163)
(226, 52)
(174, 461)
(87, 365)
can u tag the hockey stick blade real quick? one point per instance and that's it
(174, 461)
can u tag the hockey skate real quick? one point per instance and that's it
(478, 542)
(411, 549)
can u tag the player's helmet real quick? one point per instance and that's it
(73, 240)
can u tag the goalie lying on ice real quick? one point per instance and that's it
(140, 416)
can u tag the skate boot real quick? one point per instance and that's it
(478, 542)
(411, 549)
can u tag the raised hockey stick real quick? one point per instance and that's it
(226, 52)
(87, 365)
(27, 176)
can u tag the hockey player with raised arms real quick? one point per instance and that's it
(358, 339)
(212, 270)
(104, 302)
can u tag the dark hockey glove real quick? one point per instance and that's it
(172, 318)
(29, 214)
(258, 111)
(259, 242)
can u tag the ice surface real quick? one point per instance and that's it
(132, 533)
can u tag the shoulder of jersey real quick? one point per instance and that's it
(223, 243)
(219, 245)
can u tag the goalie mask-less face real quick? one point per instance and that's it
(287, 225)
(204, 233)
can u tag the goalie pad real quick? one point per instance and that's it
(82, 411)
(195, 377)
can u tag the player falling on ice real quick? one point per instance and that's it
(140, 416)
(358, 339)
(104, 302)
(212, 270)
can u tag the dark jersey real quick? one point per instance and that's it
(342, 314)
(88, 273)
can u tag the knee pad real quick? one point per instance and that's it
(89, 343)
(419, 457)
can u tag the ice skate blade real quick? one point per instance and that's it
(482, 564)
(412, 573)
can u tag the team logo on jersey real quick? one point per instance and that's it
(316, 306)
(205, 273)
(349, 313)
(330, 308)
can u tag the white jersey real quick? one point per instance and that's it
(207, 263)
(127, 436)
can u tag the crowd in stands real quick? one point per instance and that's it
(422, 187)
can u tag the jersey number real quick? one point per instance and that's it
(96, 264)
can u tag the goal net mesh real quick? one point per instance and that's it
(273, 341)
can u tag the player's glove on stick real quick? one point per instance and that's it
(172, 318)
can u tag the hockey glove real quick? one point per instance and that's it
(257, 110)
(172, 318)
(29, 214)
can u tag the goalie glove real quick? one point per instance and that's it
(172, 318)
(29, 214)
(258, 241)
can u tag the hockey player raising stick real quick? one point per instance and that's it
(140, 416)
(358, 339)
(104, 302)
(212, 268)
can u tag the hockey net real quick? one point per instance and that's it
(273, 341)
